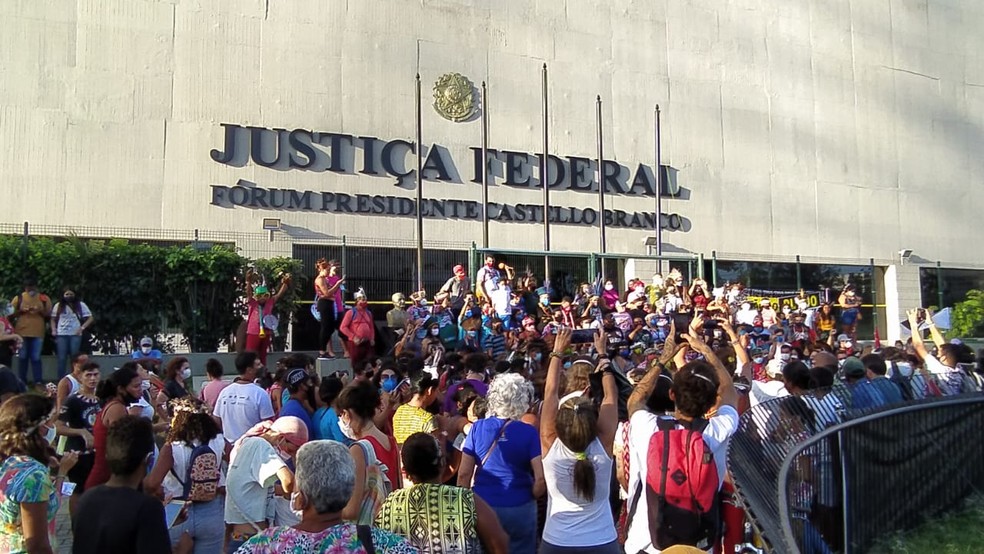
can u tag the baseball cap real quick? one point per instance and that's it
(843, 338)
(146, 341)
(853, 368)
(296, 376)
(458, 269)
(261, 290)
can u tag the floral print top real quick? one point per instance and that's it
(23, 480)
(339, 539)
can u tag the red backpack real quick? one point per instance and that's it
(681, 488)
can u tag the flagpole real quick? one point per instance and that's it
(420, 193)
(659, 188)
(601, 182)
(485, 166)
(544, 180)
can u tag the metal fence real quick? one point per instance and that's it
(838, 469)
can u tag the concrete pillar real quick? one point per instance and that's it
(640, 268)
(902, 292)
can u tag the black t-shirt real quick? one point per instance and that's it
(79, 412)
(174, 390)
(119, 519)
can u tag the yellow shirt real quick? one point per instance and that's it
(409, 420)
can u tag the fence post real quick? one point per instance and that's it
(27, 234)
(874, 300)
(939, 285)
(700, 265)
(714, 268)
(473, 264)
(799, 274)
(592, 267)
(845, 516)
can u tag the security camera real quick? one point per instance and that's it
(905, 254)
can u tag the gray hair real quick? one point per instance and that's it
(510, 396)
(325, 474)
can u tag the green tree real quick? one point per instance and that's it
(204, 288)
(968, 316)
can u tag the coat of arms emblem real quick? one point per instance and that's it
(454, 97)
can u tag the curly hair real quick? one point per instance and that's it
(510, 396)
(695, 387)
(191, 422)
(20, 423)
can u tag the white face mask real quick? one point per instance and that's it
(346, 428)
(145, 349)
(758, 359)
(609, 287)
(298, 511)
(145, 385)
(434, 332)
(50, 435)
(784, 357)
(186, 373)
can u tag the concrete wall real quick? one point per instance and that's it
(820, 128)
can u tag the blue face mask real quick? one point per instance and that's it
(545, 302)
(538, 356)
(389, 384)
(472, 334)
(567, 365)
(624, 353)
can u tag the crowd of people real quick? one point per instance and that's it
(493, 420)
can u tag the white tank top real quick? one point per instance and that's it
(74, 383)
(572, 521)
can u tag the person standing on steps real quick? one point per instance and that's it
(328, 290)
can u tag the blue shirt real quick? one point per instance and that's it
(294, 408)
(506, 479)
(864, 395)
(326, 426)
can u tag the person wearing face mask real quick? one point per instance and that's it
(115, 393)
(457, 287)
(261, 304)
(325, 418)
(325, 480)
(419, 310)
(609, 296)
(75, 421)
(146, 354)
(31, 309)
(474, 378)
(493, 340)
(29, 497)
(356, 405)
(413, 417)
(299, 385)
(358, 326)
(257, 462)
(177, 377)
(70, 318)
(192, 427)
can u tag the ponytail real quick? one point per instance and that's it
(577, 429)
(109, 387)
(584, 477)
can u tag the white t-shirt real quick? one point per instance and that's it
(642, 426)
(181, 453)
(68, 322)
(249, 483)
(950, 379)
(240, 406)
(572, 521)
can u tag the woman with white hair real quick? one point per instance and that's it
(501, 461)
(325, 478)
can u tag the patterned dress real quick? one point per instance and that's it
(437, 519)
(24, 480)
(339, 539)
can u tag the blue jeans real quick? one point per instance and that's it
(520, 524)
(31, 349)
(205, 524)
(66, 346)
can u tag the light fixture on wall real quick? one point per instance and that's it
(904, 255)
(271, 224)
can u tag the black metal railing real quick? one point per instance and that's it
(835, 470)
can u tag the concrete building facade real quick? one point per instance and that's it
(837, 131)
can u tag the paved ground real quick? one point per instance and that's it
(63, 529)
